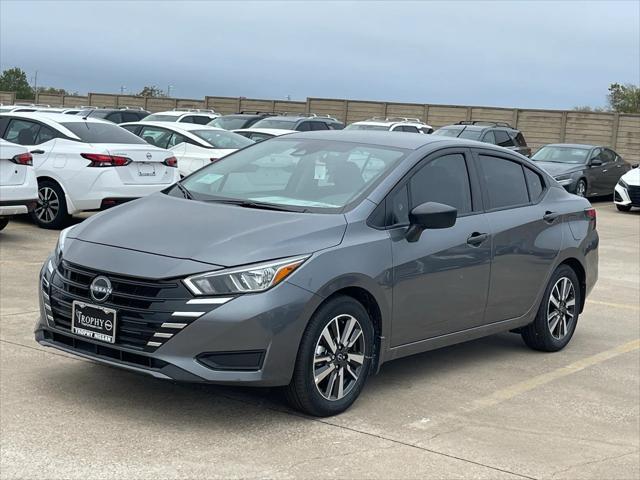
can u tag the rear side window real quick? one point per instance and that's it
(200, 120)
(304, 127)
(443, 180)
(22, 132)
(489, 137)
(158, 137)
(503, 138)
(115, 117)
(130, 116)
(45, 134)
(319, 126)
(520, 140)
(98, 132)
(535, 184)
(504, 182)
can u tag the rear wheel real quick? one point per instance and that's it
(333, 360)
(623, 208)
(51, 211)
(558, 314)
(3, 223)
(581, 188)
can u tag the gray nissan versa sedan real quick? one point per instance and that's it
(309, 260)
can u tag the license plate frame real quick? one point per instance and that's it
(93, 321)
(146, 169)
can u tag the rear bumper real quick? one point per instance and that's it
(119, 193)
(17, 207)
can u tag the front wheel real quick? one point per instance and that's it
(333, 360)
(623, 208)
(581, 188)
(557, 316)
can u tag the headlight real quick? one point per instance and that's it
(249, 279)
(564, 179)
(60, 244)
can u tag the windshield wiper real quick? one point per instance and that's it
(253, 204)
(185, 192)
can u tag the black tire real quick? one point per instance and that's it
(3, 223)
(302, 393)
(45, 215)
(581, 188)
(538, 334)
(623, 208)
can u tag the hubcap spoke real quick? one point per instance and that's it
(339, 356)
(561, 308)
(554, 323)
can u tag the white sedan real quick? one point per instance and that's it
(85, 163)
(626, 193)
(193, 145)
(260, 134)
(18, 184)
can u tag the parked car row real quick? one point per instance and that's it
(176, 143)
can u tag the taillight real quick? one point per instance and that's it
(213, 159)
(101, 160)
(591, 215)
(171, 162)
(23, 159)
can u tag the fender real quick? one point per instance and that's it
(48, 174)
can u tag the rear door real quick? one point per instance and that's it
(597, 174)
(526, 237)
(440, 282)
(612, 170)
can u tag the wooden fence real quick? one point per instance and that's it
(618, 131)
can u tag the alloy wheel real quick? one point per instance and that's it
(581, 189)
(48, 204)
(561, 309)
(339, 357)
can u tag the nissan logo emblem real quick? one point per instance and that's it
(149, 156)
(100, 289)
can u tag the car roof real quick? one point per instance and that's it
(268, 131)
(573, 145)
(180, 113)
(406, 140)
(187, 127)
(54, 117)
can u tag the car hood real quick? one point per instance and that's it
(632, 177)
(214, 233)
(555, 169)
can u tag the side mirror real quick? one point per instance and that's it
(634, 165)
(430, 215)
(596, 162)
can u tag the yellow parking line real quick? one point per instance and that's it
(527, 385)
(615, 305)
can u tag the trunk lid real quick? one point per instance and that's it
(146, 167)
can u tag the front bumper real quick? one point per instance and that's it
(270, 323)
(622, 196)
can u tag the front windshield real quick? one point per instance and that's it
(160, 118)
(229, 123)
(364, 126)
(572, 155)
(294, 173)
(447, 132)
(280, 124)
(222, 138)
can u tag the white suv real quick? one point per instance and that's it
(193, 145)
(18, 184)
(392, 124)
(184, 115)
(86, 164)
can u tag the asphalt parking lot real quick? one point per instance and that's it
(490, 408)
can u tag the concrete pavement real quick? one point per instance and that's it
(490, 408)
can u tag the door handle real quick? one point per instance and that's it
(550, 217)
(37, 152)
(475, 239)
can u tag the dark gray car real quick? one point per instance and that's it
(309, 260)
(586, 170)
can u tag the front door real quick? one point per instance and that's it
(440, 282)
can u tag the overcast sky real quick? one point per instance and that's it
(525, 54)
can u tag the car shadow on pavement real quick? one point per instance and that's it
(123, 394)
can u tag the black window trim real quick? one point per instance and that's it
(58, 133)
(523, 164)
(477, 201)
